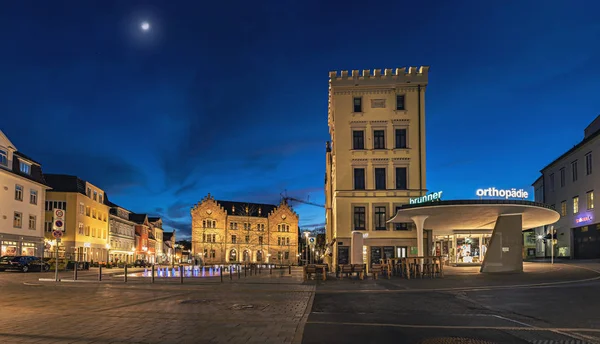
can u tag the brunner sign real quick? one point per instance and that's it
(434, 196)
(508, 193)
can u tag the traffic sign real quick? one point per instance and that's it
(57, 234)
(311, 240)
(59, 220)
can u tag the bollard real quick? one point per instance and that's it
(251, 268)
(290, 267)
(152, 272)
(245, 270)
(75, 271)
(221, 274)
(259, 268)
(181, 273)
(125, 276)
(100, 273)
(230, 272)
(270, 269)
(239, 270)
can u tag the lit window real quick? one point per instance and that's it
(563, 208)
(590, 199)
(18, 192)
(18, 220)
(3, 157)
(33, 197)
(575, 205)
(24, 167)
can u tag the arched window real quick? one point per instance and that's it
(232, 255)
(259, 256)
(246, 256)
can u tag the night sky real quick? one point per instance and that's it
(231, 97)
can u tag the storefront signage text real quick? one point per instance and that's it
(427, 198)
(508, 193)
(583, 219)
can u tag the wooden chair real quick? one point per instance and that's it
(309, 270)
(359, 269)
(375, 270)
(345, 269)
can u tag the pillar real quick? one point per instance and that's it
(420, 223)
(505, 252)
(356, 253)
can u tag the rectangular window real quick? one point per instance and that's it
(359, 179)
(358, 139)
(401, 180)
(590, 199)
(400, 102)
(574, 170)
(380, 218)
(551, 183)
(88, 192)
(575, 204)
(588, 163)
(80, 228)
(87, 230)
(233, 239)
(562, 177)
(400, 138)
(563, 208)
(357, 104)
(3, 157)
(81, 208)
(100, 198)
(33, 196)
(87, 211)
(32, 222)
(379, 139)
(18, 220)
(360, 217)
(260, 240)
(247, 238)
(24, 167)
(379, 178)
(95, 195)
(18, 192)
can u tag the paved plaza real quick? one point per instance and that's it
(547, 304)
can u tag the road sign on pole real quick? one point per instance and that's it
(57, 234)
(312, 241)
(59, 220)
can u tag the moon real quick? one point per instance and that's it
(145, 26)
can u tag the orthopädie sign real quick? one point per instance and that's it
(434, 196)
(508, 193)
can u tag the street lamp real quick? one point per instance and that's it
(306, 244)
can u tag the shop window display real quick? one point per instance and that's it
(9, 248)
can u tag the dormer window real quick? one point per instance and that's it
(233, 209)
(95, 195)
(3, 157)
(100, 198)
(24, 167)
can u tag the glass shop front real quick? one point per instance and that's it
(462, 247)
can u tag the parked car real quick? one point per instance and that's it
(141, 263)
(23, 263)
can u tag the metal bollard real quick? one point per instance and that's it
(100, 273)
(270, 269)
(290, 267)
(75, 271)
(221, 273)
(239, 270)
(181, 273)
(245, 270)
(230, 272)
(152, 272)
(125, 276)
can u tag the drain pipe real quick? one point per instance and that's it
(420, 144)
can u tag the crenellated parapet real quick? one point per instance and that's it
(385, 76)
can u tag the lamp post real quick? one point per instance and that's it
(306, 244)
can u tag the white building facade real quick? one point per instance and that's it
(568, 184)
(22, 199)
(121, 235)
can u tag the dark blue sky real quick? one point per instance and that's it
(231, 97)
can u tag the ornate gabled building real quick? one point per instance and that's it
(22, 199)
(157, 231)
(121, 235)
(242, 232)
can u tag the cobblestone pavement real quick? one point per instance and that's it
(549, 304)
(257, 309)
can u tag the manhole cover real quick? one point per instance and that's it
(241, 307)
(192, 301)
(455, 340)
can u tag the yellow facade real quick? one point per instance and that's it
(388, 108)
(239, 232)
(86, 223)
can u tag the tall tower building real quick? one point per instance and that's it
(375, 160)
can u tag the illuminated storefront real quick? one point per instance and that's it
(462, 247)
(23, 247)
